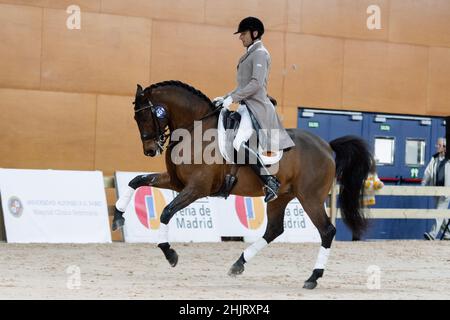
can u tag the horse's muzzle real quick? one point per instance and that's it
(150, 153)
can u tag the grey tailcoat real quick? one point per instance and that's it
(253, 71)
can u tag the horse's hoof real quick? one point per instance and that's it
(310, 285)
(172, 257)
(118, 223)
(236, 269)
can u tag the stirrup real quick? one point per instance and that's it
(270, 194)
(271, 191)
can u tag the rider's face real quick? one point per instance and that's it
(246, 38)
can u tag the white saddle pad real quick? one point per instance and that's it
(226, 139)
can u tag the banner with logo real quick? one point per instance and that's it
(298, 227)
(197, 222)
(246, 217)
(208, 219)
(54, 206)
(242, 217)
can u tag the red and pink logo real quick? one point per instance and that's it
(250, 211)
(149, 204)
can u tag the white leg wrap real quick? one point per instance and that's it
(163, 234)
(322, 258)
(125, 199)
(251, 251)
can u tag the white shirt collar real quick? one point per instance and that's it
(250, 46)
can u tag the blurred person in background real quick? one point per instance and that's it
(437, 173)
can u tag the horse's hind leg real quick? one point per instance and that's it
(156, 179)
(318, 215)
(275, 227)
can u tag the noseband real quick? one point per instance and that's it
(161, 136)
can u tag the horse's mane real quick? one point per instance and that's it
(176, 83)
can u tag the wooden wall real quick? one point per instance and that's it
(65, 95)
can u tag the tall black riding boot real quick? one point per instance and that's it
(271, 183)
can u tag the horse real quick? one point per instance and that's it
(306, 172)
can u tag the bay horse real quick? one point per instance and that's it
(306, 172)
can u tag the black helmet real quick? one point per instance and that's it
(252, 24)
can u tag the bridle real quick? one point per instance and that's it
(161, 135)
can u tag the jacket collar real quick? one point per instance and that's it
(436, 156)
(256, 45)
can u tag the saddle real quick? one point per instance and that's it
(231, 120)
(228, 126)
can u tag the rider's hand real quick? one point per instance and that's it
(217, 101)
(227, 102)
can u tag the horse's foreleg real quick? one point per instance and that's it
(327, 231)
(182, 200)
(275, 227)
(160, 180)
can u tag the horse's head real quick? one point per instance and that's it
(151, 120)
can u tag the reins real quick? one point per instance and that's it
(209, 114)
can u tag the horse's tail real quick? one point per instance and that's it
(353, 162)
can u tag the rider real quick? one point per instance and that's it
(251, 94)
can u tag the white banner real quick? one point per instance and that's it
(207, 219)
(197, 222)
(246, 217)
(297, 225)
(54, 206)
(243, 217)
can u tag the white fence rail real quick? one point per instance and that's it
(381, 213)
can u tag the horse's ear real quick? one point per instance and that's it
(139, 90)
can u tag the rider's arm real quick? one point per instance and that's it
(259, 73)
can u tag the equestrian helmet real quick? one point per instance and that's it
(251, 24)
